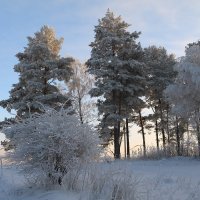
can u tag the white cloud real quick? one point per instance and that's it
(172, 23)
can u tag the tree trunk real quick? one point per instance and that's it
(143, 134)
(116, 143)
(177, 137)
(119, 120)
(188, 139)
(45, 82)
(198, 138)
(127, 139)
(162, 125)
(117, 127)
(157, 139)
(80, 109)
(116, 133)
(168, 135)
(124, 129)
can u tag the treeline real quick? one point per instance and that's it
(124, 77)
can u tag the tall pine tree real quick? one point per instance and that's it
(160, 74)
(118, 72)
(39, 66)
(183, 94)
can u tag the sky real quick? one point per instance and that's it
(168, 23)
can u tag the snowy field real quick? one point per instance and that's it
(166, 179)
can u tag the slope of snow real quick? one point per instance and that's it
(176, 167)
(13, 187)
(167, 179)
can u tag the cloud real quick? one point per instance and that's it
(171, 23)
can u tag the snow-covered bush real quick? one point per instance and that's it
(153, 153)
(49, 145)
(108, 181)
(188, 148)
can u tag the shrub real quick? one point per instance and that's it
(49, 145)
(109, 181)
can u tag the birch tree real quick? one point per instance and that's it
(79, 85)
(184, 93)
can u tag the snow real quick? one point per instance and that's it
(176, 167)
(170, 179)
(167, 179)
(14, 187)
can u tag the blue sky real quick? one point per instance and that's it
(168, 23)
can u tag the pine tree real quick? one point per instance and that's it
(118, 72)
(39, 66)
(160, 75)
(184, 93)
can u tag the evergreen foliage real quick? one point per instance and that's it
(160, 74)
(39, 66)
(184, 93)
(115, 62)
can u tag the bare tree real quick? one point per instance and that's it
(79, 86)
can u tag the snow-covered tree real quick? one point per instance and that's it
(50, 144)
(184, 93)
(79, 85)
(118, 72)
(160, 74)
(39, 66)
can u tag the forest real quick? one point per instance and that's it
(68, 114)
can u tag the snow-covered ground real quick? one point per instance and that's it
(166, 179)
